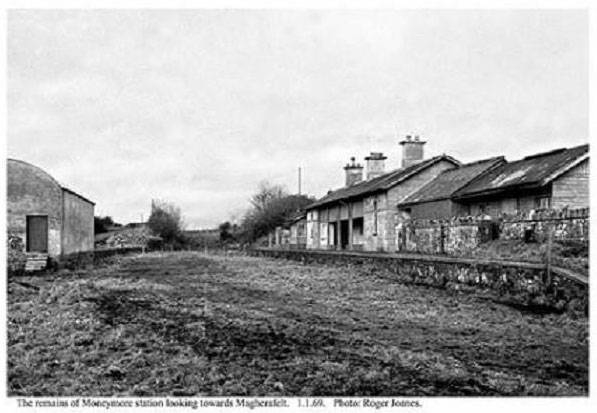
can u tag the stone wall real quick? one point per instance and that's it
(460, 235)
(385, 240)
(567, 224)
(511, 283)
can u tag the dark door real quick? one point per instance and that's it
(37, 233)
(343, 234)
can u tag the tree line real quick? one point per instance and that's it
(269, 207)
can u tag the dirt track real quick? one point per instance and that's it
(189, 324)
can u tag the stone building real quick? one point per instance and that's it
(551, 180)
(47, 219)
(363, 214)
(434, 200)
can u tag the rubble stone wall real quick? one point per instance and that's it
(511, 283)
(459, 235)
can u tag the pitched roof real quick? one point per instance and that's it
(381, 183)
(531, 172)
(451, 180)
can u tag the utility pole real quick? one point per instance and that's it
(299, 180)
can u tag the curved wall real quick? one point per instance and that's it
(32, 191)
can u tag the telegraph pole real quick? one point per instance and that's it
(299, 180)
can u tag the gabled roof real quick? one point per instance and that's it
(531, 172)
(451, 180)
(381, 183)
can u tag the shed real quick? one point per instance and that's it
(45, 218)
(555, 179)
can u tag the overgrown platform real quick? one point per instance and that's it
(188, 324)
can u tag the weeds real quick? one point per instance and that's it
(186, 324)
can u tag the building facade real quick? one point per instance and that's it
(46, 217)
(363, 214)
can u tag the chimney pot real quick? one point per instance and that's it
(412, 150)
(354, 172)
(375, 164)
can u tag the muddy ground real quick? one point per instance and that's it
(188, 324)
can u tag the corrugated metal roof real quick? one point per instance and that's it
(381, 183)
(532, 171)
(449, 181)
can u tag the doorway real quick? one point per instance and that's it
(344, 238)
(37, 233)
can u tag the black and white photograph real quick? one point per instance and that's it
(356, 209)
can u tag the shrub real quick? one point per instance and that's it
(166, 221)
(16, 256)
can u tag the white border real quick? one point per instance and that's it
(487, 405)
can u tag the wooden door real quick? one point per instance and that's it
(37, 233)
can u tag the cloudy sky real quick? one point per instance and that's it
(198, 107)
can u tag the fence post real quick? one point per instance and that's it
(550, 229)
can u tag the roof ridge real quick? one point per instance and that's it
(493, 158)
(552, 152)
(548, 153)
(380, 183)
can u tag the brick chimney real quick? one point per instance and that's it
(412, 150)
(375, 164)
(354, 172)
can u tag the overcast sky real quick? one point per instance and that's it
(198, 107)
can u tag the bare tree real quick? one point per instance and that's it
(266, 194)
(271, 206)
